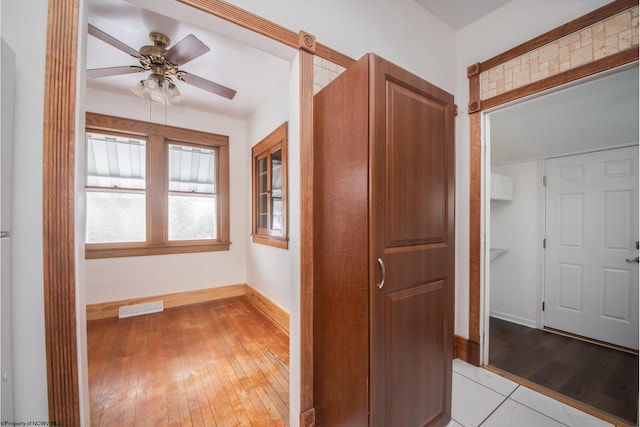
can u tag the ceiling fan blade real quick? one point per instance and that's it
(99, 34)
(185, 50)
(111, 71)
(208, 85)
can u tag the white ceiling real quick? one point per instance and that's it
(460, 13)
(232, 61)
(597, 113)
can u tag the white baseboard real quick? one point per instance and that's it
(531, 323)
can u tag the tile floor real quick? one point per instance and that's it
(482, 398)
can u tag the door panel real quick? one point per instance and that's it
(592, 228)
(616, 287)
(414, 169)
(412, 219)
(570, 284)
(414, 316)
(571, 214)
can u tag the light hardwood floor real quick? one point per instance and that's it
(221, 363)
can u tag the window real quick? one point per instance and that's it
(153, 189)
(192, 194)
(116, 188)
(270, 189)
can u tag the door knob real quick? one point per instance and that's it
(631, 261)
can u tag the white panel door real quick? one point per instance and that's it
(591, 277)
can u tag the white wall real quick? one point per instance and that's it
(113, 279)
(269, 268)
(515, 23)
(514, 277)
(398, 30)
(24, 28)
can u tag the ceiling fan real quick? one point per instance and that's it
(163, 64)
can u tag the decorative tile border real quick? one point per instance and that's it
(602, 39)
(324, 72)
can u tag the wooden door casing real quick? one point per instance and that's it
(412, 232)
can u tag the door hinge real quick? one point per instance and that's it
(544, 243)
(542, 305)
(544, 180)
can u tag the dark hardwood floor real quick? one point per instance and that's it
(222, 363)
(598, 376)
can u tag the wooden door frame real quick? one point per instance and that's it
(59, 197)
(472, 353)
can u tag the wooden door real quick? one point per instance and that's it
(412, 236)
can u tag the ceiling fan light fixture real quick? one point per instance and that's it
(157, 95)
(138, 89)
(174, 94)
(152, 82)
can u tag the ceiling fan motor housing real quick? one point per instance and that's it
(159, 47)
(152, 58)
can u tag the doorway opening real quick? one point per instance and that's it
(260, 71)
(525, 227)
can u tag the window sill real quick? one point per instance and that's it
(276, 242)
(96, 251)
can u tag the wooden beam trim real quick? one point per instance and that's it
(475, 214)
(616, 60)
(333, 56)
(474, 93)
(246, 19)
(307, 417)
(58, 212)
(259, 25)
(577, 24)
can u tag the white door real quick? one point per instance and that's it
(591, 277)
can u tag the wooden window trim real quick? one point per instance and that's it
(158, 137)
(276, 140)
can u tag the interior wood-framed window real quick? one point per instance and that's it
(269, 189)
(153, 189)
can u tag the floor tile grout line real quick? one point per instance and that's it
(541, 413)
(501, 403)
(508, 397)
(514, 401)
(494, 410)
(546, 415)
(489, 388)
